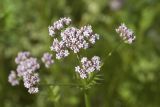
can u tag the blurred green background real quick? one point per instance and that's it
(131, 76)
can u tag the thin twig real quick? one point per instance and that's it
(113, 50)
(60, 84)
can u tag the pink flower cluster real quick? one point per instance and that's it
(47, 59)
(87, 66)
(126, 34)
(58, 25)
(26, 69)
(71, 38)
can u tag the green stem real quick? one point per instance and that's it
(113, 50)
(86, 98)
(78, 57)
(61, 84)
(56, 104)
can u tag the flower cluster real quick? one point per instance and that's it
(31, 81)
(12, 78)
(27, 66)
(126, 34)
(72, 38)
(88, 66)
(47, 59)
(26, 70)
(59, 48)
(76, 39)
(21, 57)
(58, 25)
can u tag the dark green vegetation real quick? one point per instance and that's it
(131, 75)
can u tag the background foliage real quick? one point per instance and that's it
(130, 75)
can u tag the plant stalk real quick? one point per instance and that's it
(86, 98)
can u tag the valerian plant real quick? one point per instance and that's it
(67, 40)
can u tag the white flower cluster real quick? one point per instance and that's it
(21, 57)
(12, 78)
(126, 34)
(47, 59)
(58, 25)
(76, 39)
(88, 66)
(27, 66)
(26, 70)
(72, 39)
(31, 81)
(59, 48)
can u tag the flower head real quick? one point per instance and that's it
(88, 66)
(26, 70)
(59, 48)
(47, 59)
(89, 34)
(12, 78)
(71, 38)
(31, 81)
(30, 65)
(126, 34)
(77, 39)
(58, 25)
(33, 90)
(21, 57)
